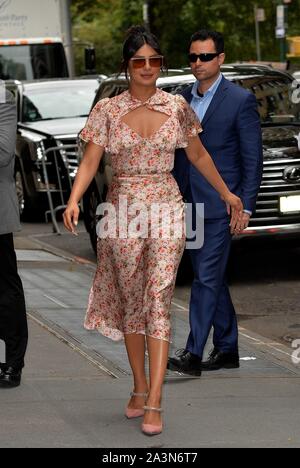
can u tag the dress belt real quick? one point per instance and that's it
(139, 177)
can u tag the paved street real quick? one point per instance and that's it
(264, 278)
(76, 383)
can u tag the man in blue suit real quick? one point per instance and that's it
(232, 136)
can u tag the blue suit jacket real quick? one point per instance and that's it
(232, 136)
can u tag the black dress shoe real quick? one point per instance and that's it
(10, 377)
(219, 360)
(185, 362)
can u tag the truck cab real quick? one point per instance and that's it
(35, 40)
(32, 59)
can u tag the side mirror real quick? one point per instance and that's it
(90, 60)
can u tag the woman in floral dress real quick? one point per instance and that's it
(135, 278)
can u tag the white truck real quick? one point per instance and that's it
(35, 39)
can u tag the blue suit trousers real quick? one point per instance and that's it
(210, 303)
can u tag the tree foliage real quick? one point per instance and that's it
(104, 22)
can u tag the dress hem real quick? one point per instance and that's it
(118, 336)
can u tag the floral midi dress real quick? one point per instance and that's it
(135, 277)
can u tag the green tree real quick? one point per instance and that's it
(235, 19)
(104, 22)
(98, 23)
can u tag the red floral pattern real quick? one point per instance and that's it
(135, 277)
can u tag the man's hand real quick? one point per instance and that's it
(241, 224)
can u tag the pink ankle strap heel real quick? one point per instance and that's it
(132, 413)
(152, 429)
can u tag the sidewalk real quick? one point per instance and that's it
(76, 383)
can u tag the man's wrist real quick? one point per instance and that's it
(248, 212)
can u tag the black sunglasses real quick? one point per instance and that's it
(203, 57)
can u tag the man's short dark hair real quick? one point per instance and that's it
(205, 34)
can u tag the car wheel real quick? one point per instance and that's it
(30, 208)
(91, 199)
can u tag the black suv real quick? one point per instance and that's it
(50, 114)
(278, 97)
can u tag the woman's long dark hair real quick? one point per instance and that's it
(136, 37)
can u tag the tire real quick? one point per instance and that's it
(30, 208)
(91, 199)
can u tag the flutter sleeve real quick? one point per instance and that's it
(97, 127)
(189, 123)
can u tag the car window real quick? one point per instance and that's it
(44, 103)
(110, 89)
(275, 98)
(30, 111)
(174, 89)
(31, 62)
(274, 94)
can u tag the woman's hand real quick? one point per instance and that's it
(86, 172)
(71, 216)
(234, 208)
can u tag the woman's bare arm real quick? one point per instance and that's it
(86, 172)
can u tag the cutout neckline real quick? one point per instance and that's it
(158, 102)
(152, 134)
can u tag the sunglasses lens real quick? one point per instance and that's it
(138, 63)
(156, 62)
(193, 58)
(203, 57)
(207, 57)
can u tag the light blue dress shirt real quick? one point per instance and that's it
(200, 104)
